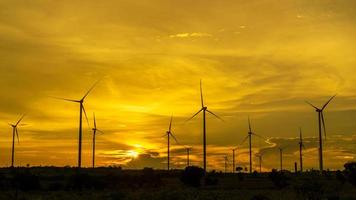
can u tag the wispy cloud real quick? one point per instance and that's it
(190, 35)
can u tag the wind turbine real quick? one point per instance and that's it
(321, 121)
(95, 130)
(204, 109)
(301, 146)
(188, 149)
(281, 156)
(259, 156)
(15, 132)
(225, 159)
(81, 110)
(249, 137)
(169, 134)
(233, 160)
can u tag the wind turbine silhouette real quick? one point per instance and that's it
(204, 108)
(15, 132)
(233, 160)
(188, 149)
(226, 160)
(81, 110)
(169, 134)
(301, 146)
(95, 130)
(259, 156)
(321, 121)
(249, 137)
(281, 156)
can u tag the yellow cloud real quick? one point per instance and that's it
(190, 35)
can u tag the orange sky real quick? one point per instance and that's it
(256, 58)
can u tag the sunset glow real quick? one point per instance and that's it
(261, 59)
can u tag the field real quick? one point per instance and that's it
(114, 183)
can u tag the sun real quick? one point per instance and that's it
(132, 153)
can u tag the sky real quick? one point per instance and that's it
(260, 59)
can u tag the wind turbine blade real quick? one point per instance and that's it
(20, 120)
(300, 134)
(175, 139)
(259, 136)
(92, 87)
(99, 131)
(86, 116)
(244, 140)
(194, 115)
(170, 124)
(262, 153)
(311, 105)
(326, 104)
(94, 121)
(214, 115)
(304, 146)
(17, 135)
(201, 94)
(282, 148)
(64, 99)
(249, 124)
(323, 121)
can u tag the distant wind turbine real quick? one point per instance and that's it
(95, 130)
(281, 157)
(321, 121)
(260, 158)
(233, 160)
(188, 149)
(226, 160)
(15, 132)
(169, 134)
(204, 109)
(81, 110)
(249, 137)
(301, 146)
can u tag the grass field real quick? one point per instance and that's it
(114, 183)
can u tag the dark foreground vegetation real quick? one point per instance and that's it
(116, 184)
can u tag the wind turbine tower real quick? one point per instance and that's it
(321, 123)
(203, 109)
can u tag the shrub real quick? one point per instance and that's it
(150, 178)
(240, 176)
(260, 197)
(279, 179)
(311, 189)
(210, 180)
(116, 196)
(192, 176)
(350, 171)
(81, 181)
(340, 177)
(26, 181)
(148, 174)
